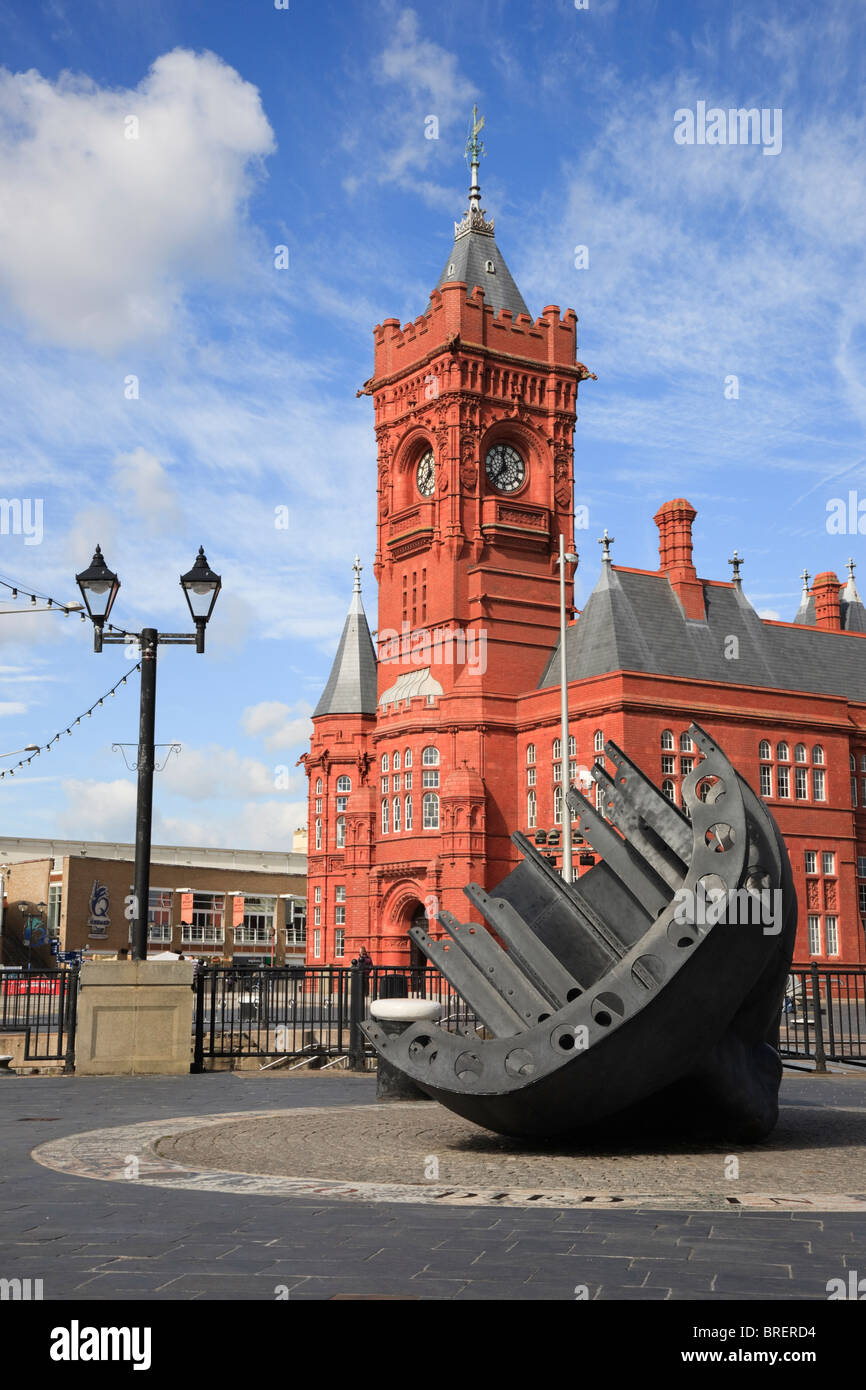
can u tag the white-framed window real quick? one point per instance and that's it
(686, 744)
(342, 803)
(340, 914)
(55, 899)
(818, 754)
(572, 746)
(811, 857)
(531, 774)
(317, 895)
(385, 762)
(782, 752)
(828, 862)
(396, 761)
(395, 814)
(158, 909)
(319, 786)
(861, 898)
(318, 834)
(160, 934)
(208, 918)
(801, 783)
(530, 753)
(766, 781)
(430, 811)
(532, 811)
(407, 758)
(430, 777)
(863, 790)
(339, 943)
(344, 784)
(819, 786)
(598, 741)
(670, 791)
(318, 805)
(395, 780)
(863, 762)
(783, 781)
(861, 865)
(341, 832)
(430, 756)
(557, 805)
(385, 816)
(407, 806)
(252, 936)
(669, 764)
(667, 740)
(407, 781)
(317, 945)
(557, 749)
(317, 916)
(296, 925)
(814, 935)
(800, 755)
(258, 925)
(557, 772)
(686, 766)
(340, 893)
(572, 773)
(764, 750)
(386, 783)
(831, 931)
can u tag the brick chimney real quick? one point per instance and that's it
(674, 521)
(825, 591)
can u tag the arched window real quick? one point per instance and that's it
(385, 816)
(852, 761)
(344, 784)
(670, 791)
(384, 762)
(686, 744)
(407, 758)
(431, 811)
(572, 746)
(817, 754)
(396, 761)
(557, 749)
(318, 834)
(800, 753)
(319, 787)
(408, 821)
(531, 810)
(782, 752)
(395, 808)
(530, 752)
(341, 832)
(598, 741)
(557, 805)
(430, 757)
(764, 750)
(667, 741)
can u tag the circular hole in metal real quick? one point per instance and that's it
(468, 1067)
(542, 1017)
(758, 880)
(572, 995)
(519, 1062)
(609, 1004)
(679, 935)
(648, 966)
(719, 837)
(418, 1046)
(603, 1017)
(566, 1041)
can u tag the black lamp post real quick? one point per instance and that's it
(99, 587)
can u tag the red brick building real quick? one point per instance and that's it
(430, 751)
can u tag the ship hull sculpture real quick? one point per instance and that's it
(645, 997)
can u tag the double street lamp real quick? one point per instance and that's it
(99, 588)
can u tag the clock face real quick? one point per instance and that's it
(426, 474)
(505, 468)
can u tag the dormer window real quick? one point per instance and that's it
(490, 267)
(451, 269)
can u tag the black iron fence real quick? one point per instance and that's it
(299, 1012)
(41, 1006)
(824, 1016)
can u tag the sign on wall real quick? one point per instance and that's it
(99, 920)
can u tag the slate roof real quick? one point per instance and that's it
(469, 257)
(633, 622)
(351, 687)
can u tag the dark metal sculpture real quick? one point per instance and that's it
(646, 995)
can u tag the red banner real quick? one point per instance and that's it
(186, 907)
(238, 910)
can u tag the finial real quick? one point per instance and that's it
(852, 565)
(606, 542)
(805, 576)
(736, 560)
(474, 219)
(357, 567)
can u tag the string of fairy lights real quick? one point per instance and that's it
(21, 591)
(85, 714)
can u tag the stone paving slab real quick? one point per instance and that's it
(180, 1238)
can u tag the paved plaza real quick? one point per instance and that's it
(115, 1236)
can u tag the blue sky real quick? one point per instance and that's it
(153, 258)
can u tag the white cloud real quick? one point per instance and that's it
(101, 232)
(97, 810)
(142, 477)
(8, 707)
(283, 726)
(202, 774)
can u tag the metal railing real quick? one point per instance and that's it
(292, 1011)
(41, 1006)
(824, 1015)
